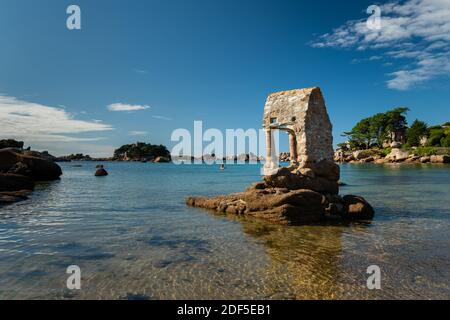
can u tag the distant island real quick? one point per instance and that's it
(386, 137)
(139, 151)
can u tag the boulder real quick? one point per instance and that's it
(369, 159)
(308, 172)
(15, 182)
(38, 169)
(21, 169)
(349, 158)
(412, 159)
(43, 155)
(397, 155)
(327, 169)
(358, 155)
(357, 208)
(381, 161)
(425, 159)
(440, 159)
(396, 144)
(101, 172)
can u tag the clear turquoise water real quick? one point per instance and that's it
(133, 237)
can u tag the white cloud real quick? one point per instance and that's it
(415, 30)
(126, 107)
(137, 133)
(34, 122)
(162, 118)
(140, 71)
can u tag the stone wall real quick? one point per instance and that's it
(302, 112)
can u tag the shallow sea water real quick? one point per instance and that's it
(133, 238)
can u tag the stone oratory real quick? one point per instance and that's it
(306, 192)
(303, 115)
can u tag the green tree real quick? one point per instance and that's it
(445, 142)
(396, 120)
(373, 131)
(141, 150)
(437, 133)
(416, 132)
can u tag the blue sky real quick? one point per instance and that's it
(168, 63)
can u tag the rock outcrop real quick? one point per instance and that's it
(395, 155)
(293, 179)
(440, 159)
(278, 205)
(29, 164)
(20, 169)
(291, 197)
(100, 171)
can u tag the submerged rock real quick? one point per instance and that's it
(357, 208)
(10, 197)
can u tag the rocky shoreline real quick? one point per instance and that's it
(396, 155)
(20, 170)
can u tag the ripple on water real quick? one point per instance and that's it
(134, 238)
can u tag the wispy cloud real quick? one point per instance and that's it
(138, 133)
(162, 118)
(117, 107)
(36, 122)
(140, 71)
(415, 30)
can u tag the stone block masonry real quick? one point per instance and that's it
(303, 115)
